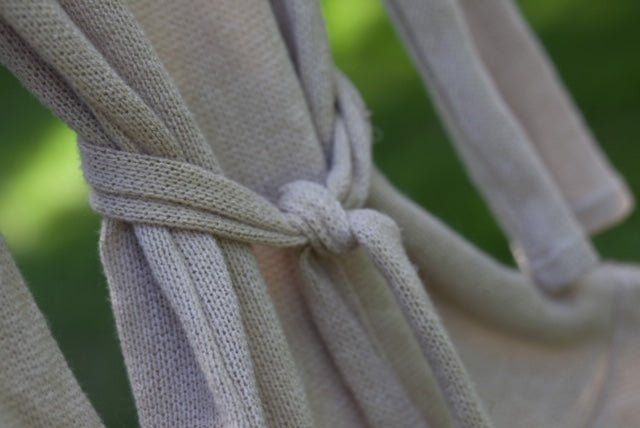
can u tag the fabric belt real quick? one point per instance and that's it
(144, 189)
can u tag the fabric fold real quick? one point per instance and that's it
(152, 338)
(493, 145)
(376, 388)
(284, 398)
(500, 296)
(189, 268)
(535, 94)
(516, 341)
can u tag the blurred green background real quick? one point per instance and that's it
(47, 223)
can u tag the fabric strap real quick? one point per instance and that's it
(306, 213)
(496, 150)
(533, 91)
(203, 151)
(132, 132)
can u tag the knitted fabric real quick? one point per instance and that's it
(262, 272)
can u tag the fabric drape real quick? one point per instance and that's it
(263, 273)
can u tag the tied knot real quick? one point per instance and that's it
(318, 215)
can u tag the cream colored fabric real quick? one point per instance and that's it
(174, 219)
(490, 140)
(536, 360)
(37, 389)
(531, 88)
(256, 263)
